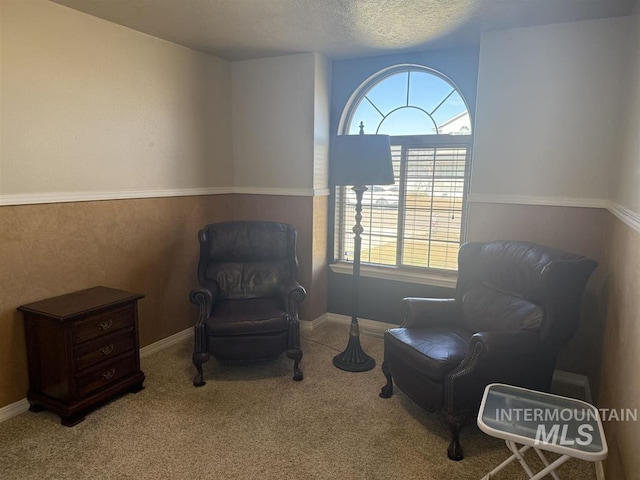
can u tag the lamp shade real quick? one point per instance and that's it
(361, 160)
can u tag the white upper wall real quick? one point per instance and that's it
(91, 106)
(625, 184)
(549, 112)
(91, 109)
(273, 111)
(321, 123)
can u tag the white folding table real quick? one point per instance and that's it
(544, 422)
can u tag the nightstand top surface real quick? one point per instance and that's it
(79, 303)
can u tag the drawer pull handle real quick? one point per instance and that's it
(109, 374)
(107, 349)
(106, 325)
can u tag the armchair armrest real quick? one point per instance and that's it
(204, 299)
(515, 357)
(291, 294)
(430, 312)
(509, 343)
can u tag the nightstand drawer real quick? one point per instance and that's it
(106, 375)
(103, 324)
(103, 349)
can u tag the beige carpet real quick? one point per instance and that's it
(254, 423)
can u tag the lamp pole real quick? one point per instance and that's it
(353, 358)
(359, 160)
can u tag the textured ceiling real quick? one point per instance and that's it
(245, 29)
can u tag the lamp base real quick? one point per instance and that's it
(353, 359)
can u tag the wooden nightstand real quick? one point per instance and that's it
(82, 350)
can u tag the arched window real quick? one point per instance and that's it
(419, 221)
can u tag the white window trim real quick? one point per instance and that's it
(435, 279)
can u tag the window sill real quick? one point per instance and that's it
(392, 273)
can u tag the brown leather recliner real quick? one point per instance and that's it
(516, 304)
(249, 295)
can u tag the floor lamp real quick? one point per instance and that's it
(359, 160)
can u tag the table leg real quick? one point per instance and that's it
(518, 454)
(551, 467)
(546, 462)
(509, 460)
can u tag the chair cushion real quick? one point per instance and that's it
(486, 309)
(240, 280)
(253, 316)
(433, 352)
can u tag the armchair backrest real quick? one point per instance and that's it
(247, 259)
(521, 285)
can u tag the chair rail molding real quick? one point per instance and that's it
(626, 215)
(89, 196)
(537, 200)
(291, 192)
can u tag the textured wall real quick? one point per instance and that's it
(318, 288)
(579, 230)
(620, 384)
(148, 246)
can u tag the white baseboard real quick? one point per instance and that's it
(574, 379)
(166, 342)
(13, 409)
(310, 325)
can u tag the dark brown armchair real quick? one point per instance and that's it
(516, 304)
(248, 296)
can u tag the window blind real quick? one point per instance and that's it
(418, 221)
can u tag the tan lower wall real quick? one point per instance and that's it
(318, 297)
(620, 385)
(148, 246)
(578, 230)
